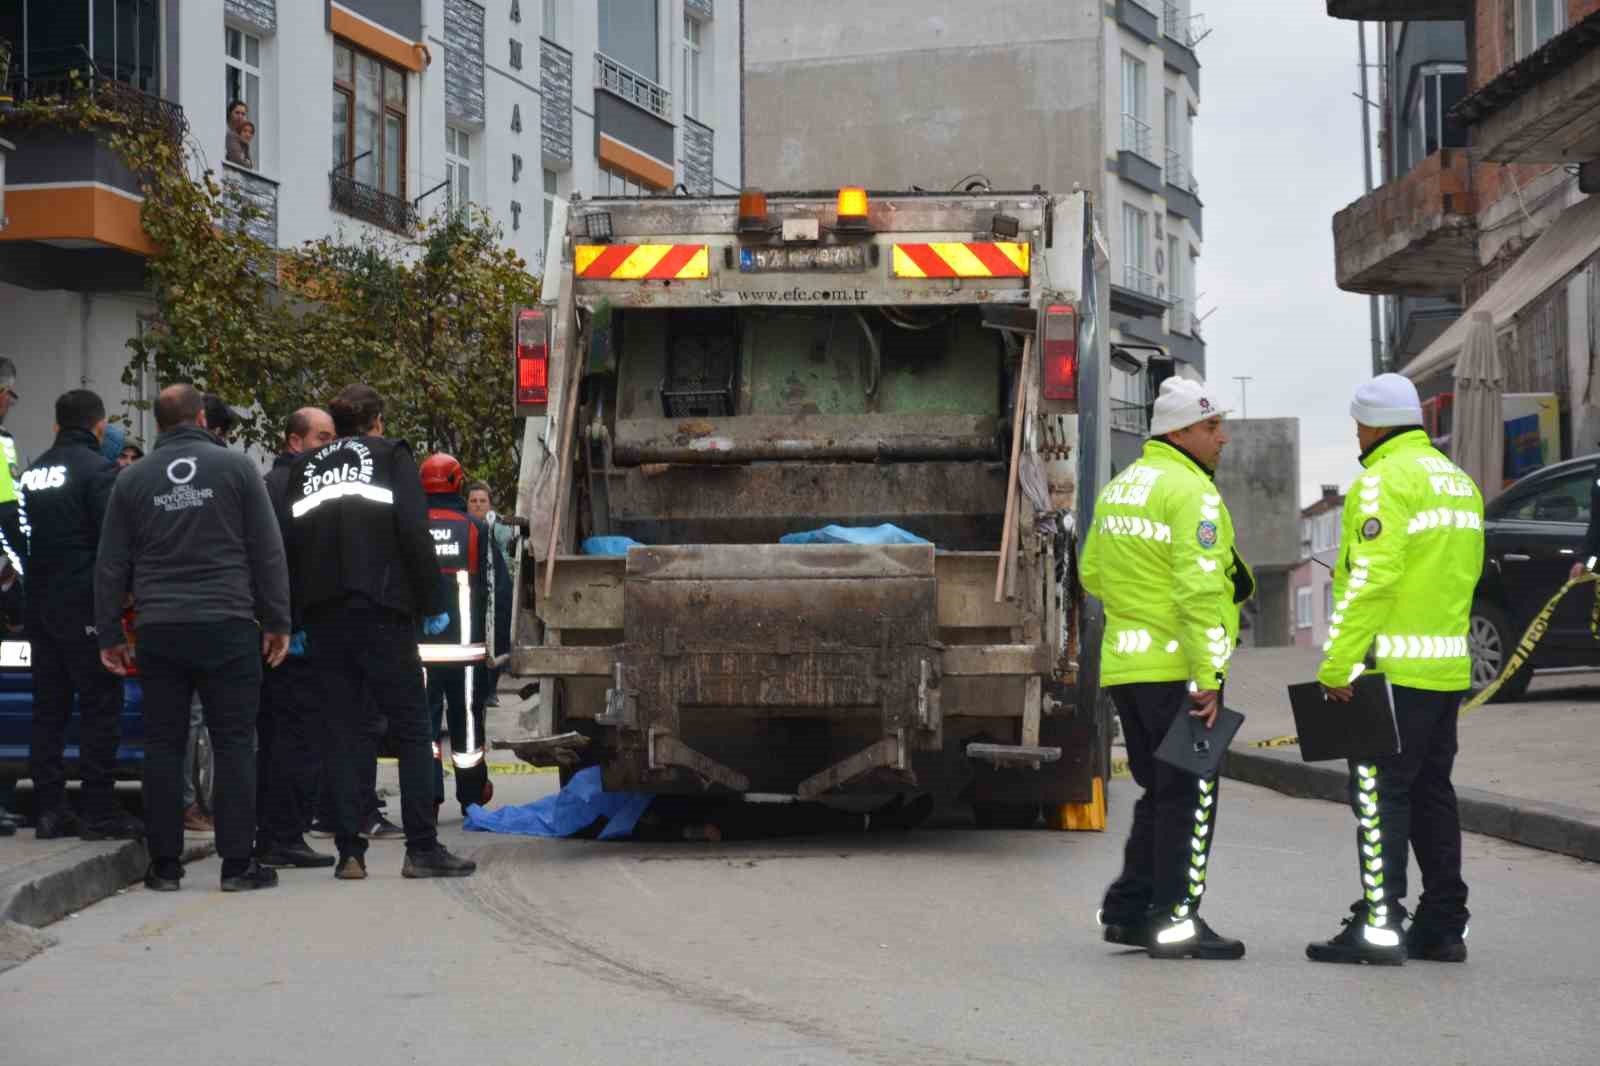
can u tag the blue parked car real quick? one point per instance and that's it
(16, 718)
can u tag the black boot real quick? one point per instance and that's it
(1430, 945)
(1191, 938)
(250, 878)
(1133, 932)
(1372, 937)
(296, 853)
(436, 862)
(54, 823)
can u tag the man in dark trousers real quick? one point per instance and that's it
(365, 579)
(62, 503)
(191, 533)
(475, 577)
(290, 731)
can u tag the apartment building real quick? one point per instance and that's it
(1311, 582)
(1490, 156)
(367, 116)
(1058, 93)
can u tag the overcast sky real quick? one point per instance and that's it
(1278, 151)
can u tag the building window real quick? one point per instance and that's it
(242, 69)
(1135, 251)
(1537, 22)
(1437, 88)
(516, 54)
(458, 166)
(1302, 607)
(549, 204)
(628, 35)
(1135, 108)
(615, 183)
(691, 66)
(1178, 320)
(369, 119)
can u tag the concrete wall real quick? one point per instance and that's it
(1259, 478)
(924, 92)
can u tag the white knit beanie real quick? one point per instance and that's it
(1387, 400)
(1181, 404)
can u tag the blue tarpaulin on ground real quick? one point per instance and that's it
(884, 534)
(609, 545)
(569, 811)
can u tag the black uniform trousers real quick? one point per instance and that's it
(290, 732)
(362, 651)
(1174, 819)
(222, 662)
(1407, 800)
(449, 698)
(67, 665)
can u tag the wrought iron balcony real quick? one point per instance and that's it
(632, 86)
(140, 108)
(1136, 136)
(359, 200)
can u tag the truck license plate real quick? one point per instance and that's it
(834, 259)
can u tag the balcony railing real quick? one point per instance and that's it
(1136, 136)
(1179, 320)
(362, 201)
(140, 108)
(1130, 417)
(1187, 30)
(1178, 173)
(632, 86)
(1141, 281)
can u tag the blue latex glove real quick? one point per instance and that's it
(297, 642)
(435, 624)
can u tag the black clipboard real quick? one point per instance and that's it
(1364, 728)
(1191, 747)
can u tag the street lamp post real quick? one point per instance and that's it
(1244, 406)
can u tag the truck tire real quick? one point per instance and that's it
(1005, 815)
(1490, 640)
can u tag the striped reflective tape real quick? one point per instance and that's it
(634, 262)
(1416, 647)
(1132, 526)
(961, 259)
(339, 490)
(1133, 641)
(1444, 518)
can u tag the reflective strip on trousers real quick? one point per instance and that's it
(472, 747)
(1371, 843)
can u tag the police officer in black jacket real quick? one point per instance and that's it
(364, 578)
(191, 533)
(289, 730)
(61, 505)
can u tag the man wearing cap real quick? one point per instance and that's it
(1160, 556)
(1411, 554)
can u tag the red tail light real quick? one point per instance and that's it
(1060, 353)
(533, 359)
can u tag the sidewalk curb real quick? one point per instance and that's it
(1548, 826)
(47, 890)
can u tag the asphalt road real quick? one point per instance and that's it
(942, 946)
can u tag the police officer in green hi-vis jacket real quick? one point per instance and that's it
(1160, 556)
(1411, 553)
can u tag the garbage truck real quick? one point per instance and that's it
(802, 475)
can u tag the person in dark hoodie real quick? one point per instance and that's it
(287, 766)
(365, 580)
(62, 502)
(478, 588)
(191, 534)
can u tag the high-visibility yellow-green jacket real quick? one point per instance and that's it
(1160, 556)
(8, 467)
(1410, 556)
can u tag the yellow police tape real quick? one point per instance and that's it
(496, 769)
(1525, 647)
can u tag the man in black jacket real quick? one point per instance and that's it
(289, 730)
(61, 505)
(191, 533)
(364, 576)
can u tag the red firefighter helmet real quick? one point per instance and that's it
(441, 474)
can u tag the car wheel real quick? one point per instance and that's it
(1490, 640)
(205, 767)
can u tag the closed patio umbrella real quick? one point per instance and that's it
(1477, 436)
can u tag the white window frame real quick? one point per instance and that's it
(458, 166)
(693, 77)
(1528, 40)
(1302, 607)
(1136, 135)
(247, 72)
